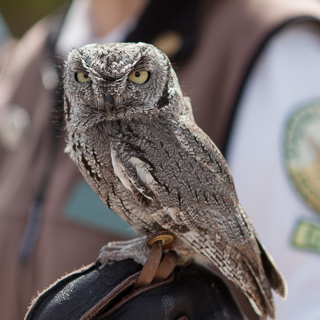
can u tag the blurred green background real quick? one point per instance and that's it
(20, 15)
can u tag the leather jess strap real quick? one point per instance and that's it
(155, 269)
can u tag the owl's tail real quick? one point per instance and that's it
(275, 278)
(269, 277)
(256, 274)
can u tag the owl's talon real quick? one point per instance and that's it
(136, 249)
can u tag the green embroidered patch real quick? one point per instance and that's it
(302, 153)
(307, 236)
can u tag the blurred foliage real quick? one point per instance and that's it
(20, 15)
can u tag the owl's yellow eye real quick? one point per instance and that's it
(82, 77)
(139, 77)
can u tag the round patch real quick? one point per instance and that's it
(302, 153)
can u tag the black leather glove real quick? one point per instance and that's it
(106, 292)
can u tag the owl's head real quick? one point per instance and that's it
(118, 80)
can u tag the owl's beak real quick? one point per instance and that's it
(109, 103)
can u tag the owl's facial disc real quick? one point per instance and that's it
(119, 79)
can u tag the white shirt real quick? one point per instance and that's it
(285, 78)
(77, 29)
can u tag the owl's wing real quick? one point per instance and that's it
(251, 248)
(199, 200)
(135, 175)
(197, 143)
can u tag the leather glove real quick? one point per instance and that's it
(107, 291)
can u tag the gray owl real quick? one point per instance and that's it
(133, 136)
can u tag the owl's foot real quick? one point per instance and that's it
(147, 251)
(136, 249)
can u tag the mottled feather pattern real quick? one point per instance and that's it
(139, 148)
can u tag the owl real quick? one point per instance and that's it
(132, 133)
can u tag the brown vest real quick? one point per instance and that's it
(231, 35)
